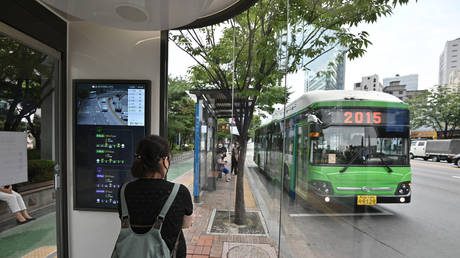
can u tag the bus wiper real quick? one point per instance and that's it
(384, 162)
(357, 154)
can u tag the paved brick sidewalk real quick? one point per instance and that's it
(203, 245)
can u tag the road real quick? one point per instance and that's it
(101, 111)
(427, 227)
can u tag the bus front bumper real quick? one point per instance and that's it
(353, 198)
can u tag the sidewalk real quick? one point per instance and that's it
(200, 244)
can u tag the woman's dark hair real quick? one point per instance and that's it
(148, 152)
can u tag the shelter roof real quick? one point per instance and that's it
(220, 101)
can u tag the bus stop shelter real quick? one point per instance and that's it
(211, 104)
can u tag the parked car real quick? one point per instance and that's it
(456, 159)
(436, 150)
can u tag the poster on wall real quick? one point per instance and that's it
(13, 158)
(111, 117)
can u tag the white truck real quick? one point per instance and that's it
(435, 150)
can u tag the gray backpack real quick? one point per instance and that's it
(149, 244)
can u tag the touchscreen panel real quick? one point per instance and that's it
(111, 117)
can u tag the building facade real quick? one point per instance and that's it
(449, 61)
(411, 81)
(454, 81)
(369, 83)
(326, 73)
(399, 90)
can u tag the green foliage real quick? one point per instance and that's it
(181, 114)
(438, 108)
(33, 154)
(222, 134)
(256, 122)
(25, 80)
(40, 170)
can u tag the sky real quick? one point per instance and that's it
(409, 41)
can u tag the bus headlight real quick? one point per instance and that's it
(403, 188)
(322, 187)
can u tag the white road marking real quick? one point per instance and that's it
(340, 214)
(456, 177)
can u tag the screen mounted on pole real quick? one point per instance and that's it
(111, 117)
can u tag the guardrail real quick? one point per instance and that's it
(182, 156)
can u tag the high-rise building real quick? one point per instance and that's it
(411, 81)
(449, 60)
(369, 83)
(326, 73)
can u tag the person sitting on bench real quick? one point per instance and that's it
(16, 204)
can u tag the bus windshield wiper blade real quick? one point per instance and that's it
(384, 163)
(357, 154)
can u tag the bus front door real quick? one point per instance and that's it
(301, 157)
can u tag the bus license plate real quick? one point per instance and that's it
(367, 199)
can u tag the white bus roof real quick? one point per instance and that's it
(332, 95)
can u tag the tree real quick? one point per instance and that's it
(25, 81)
(438, 108)
(255, 50)
(221, 132)
(256, 122)
(181, 112)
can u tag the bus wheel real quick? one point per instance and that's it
(286, 179)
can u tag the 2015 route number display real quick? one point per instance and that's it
(358, 117)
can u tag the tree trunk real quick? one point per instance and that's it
(240, 211)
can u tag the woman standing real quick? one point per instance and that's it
(148, 193)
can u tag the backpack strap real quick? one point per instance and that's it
(124, 206)
(161, 217)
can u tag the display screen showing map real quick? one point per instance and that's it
(111, 117)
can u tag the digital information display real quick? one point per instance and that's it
(353, 116)
(111, 117)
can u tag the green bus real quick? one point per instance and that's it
(339, 145)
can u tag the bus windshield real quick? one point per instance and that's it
(361, 145)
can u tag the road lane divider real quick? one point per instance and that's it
(339, 214)
(434, 165)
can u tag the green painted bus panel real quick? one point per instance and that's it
(361, 103)
(369, 177)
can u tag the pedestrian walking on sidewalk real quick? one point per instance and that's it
(235, 153)
(146, 196)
